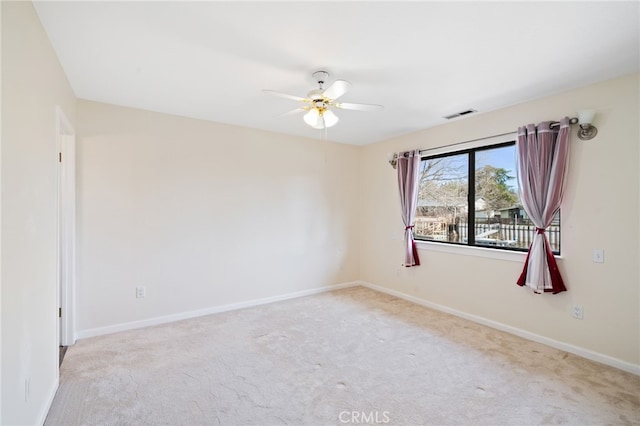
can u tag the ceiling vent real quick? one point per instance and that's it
(460, 114)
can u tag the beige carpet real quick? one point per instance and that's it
(345, 357)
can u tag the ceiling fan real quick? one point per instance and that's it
(320, 101)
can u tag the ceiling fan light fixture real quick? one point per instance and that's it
(330, 119)
(320, 118)
(312, 118)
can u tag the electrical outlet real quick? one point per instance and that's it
(578, 312)
(141, 292)
(598, 255)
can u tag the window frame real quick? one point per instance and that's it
(471, 148)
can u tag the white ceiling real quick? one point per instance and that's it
(421, 60)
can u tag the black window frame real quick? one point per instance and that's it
(471, 199)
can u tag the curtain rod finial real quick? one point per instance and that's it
(394, 160)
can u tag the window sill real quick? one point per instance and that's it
(491, 253)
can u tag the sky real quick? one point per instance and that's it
(502, 158)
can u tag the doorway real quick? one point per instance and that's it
(66, 141)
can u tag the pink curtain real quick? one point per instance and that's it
(542, 157)
(408, 179)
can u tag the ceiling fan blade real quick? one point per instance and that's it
(294, 111)
(358, 107)
(284, 95)
(337, 89)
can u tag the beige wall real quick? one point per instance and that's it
(33, 84)
(600, 210)
(205, 215)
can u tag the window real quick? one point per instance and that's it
(470, 197)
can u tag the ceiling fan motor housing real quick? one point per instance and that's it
(315, 94)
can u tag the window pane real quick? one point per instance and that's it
(500, 219)
(442, 199)
(497, 203)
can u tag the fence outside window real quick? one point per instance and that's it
(499, 232)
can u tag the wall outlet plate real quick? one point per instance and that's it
(598, 255)
(577, 312)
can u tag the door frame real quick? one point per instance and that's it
(66, 141)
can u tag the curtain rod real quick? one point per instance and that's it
(394, 160)
(469, 141)
(572, 120)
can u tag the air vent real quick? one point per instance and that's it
(460, 114)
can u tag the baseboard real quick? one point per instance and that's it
(93, 332)
(49, 402)
(576, 350)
